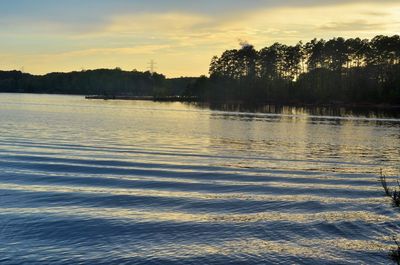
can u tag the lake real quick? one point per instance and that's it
(138, 182)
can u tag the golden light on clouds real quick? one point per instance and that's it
(183, 42)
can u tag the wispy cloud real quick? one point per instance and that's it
(357, 25)
(129, 33)
(133, 50)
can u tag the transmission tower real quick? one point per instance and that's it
(152, 66)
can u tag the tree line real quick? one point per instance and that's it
(335, 71)
(104, 82)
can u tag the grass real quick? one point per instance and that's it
(382, 178)
(395, 254)
(394, 194)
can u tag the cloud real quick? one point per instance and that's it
(356, 25)
(377, 14)
(291, 24)
(156, 23)
(129, 33)
(87, 16)
(133, 50)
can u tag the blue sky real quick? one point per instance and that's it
(42, 35)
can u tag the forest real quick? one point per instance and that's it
(105, 82)
(335, 71)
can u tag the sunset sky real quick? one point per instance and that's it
(43, 36)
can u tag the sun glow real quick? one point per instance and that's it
(130, 39)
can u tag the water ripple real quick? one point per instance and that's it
(93, 182)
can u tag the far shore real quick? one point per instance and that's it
(146, 98)
(359, 105)
(196, 100)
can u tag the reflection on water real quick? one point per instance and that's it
(378, 112)
(135, 182)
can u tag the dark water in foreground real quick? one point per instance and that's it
(108, 182)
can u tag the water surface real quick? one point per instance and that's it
(135, 182)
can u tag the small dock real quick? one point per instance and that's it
(146, 98)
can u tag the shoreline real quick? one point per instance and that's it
(143, 98)
(194, 100)
(255, 104)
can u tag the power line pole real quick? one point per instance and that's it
(152, 66)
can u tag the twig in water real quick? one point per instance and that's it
(384, 185)
(395, 254)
